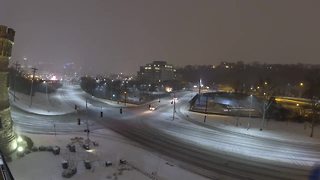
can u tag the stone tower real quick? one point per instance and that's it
(7, 136)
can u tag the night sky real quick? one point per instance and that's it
(120, 35)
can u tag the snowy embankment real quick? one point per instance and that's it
(114, 103)
(43, 104)
(272, 129)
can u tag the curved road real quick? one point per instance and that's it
(214, 152)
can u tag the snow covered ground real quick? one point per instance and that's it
(142, 165)
(114, 103)
(51, 104)
(280, 130)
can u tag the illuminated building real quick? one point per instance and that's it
(157, 71)
(7, 135)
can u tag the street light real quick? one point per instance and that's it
(199, 90)
(25, 62)
(250, 106)
(31, 88)
(17, 66)
(174, 106)
(301, 88)
(206, 110)
(46, 83)
(250, 112)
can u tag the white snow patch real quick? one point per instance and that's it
(112, 147)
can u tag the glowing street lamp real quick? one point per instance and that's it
(301, 86)
(250, 105)
(46, 83)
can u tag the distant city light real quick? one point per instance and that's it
(53, 78)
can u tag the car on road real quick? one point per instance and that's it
(152, 108)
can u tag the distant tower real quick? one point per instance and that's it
(7, 136)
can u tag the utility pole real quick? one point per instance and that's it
(87, 123)
(199, 90)
(17, 65)
(46, 83)
(125, 93)
(87, 130)
(174, 106)
(250, 106)
(206, 110)
(125, 98)
(54, 128)
(31, 90)
(249, 122)
(101, 112)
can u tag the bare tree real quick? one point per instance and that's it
(315, 116)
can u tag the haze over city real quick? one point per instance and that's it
(103, 36)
